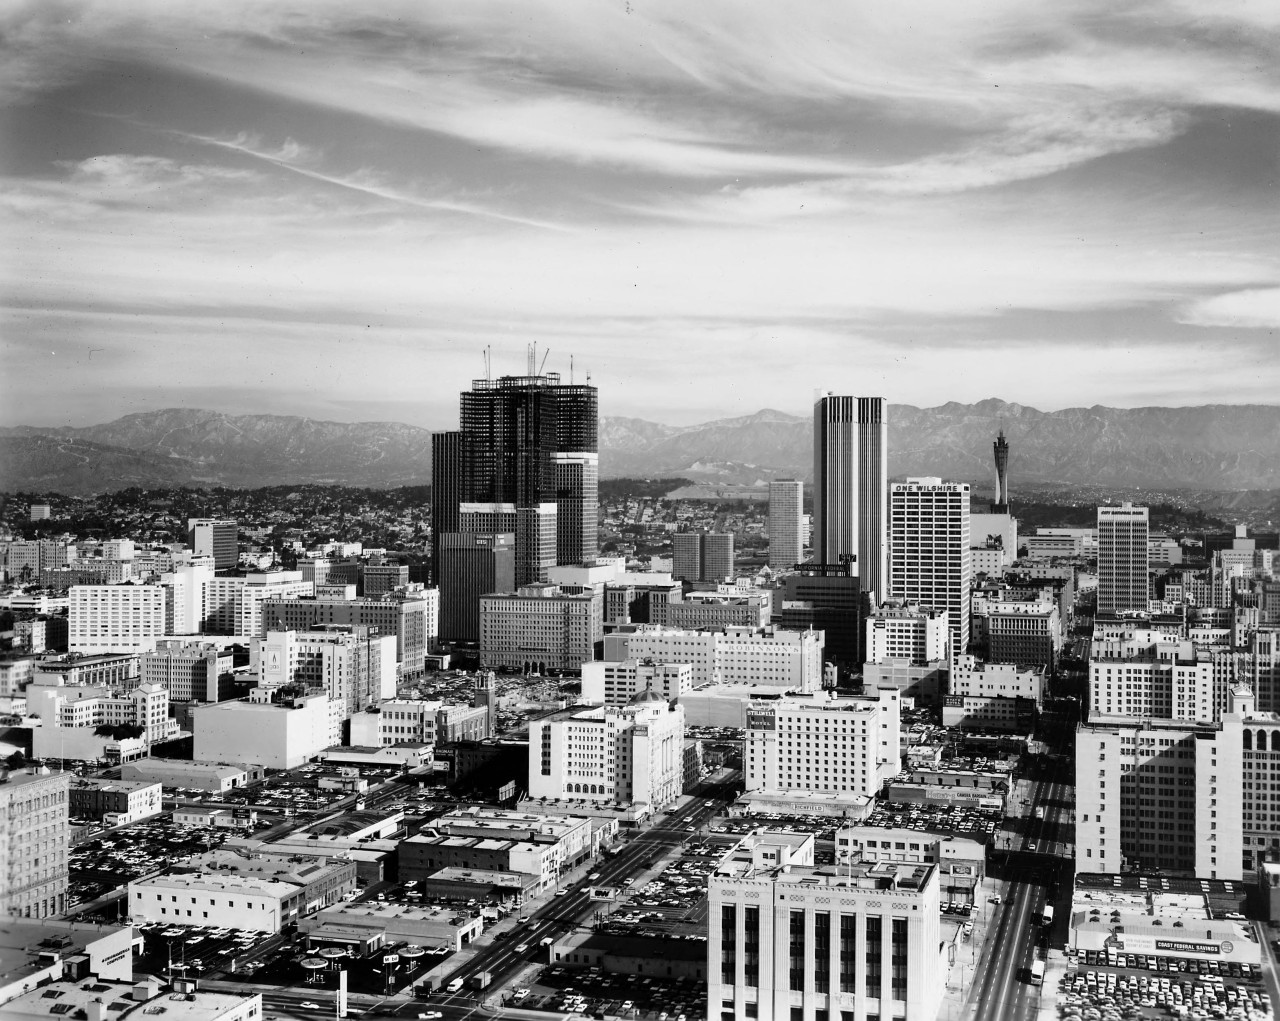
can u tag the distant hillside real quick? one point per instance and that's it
(1216, 447)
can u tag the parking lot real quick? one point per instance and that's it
(111, 860)
(201, 951)
(594, 993)
(976, 823)
(1101, 995)
(674, 898)
(298, 790)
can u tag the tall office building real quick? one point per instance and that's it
(524, 460)
(929, 550)
(215, 538)
(33, 843)
(1122, 558)
(702, 556)
(1001, 449)
(850, 474)
(786, 523)
(472, 564)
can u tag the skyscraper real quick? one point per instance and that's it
(850, 466)
(1122, 558)
(786, 523)
(1001, 449)
(929, 555)
(524, 459)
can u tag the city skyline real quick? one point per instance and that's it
(332, 213)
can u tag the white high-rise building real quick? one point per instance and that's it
(846, 746)
(1180, 795)
(1122, 558)
(633, 754)
(786, 523)
(233, 606)
(929, 550)
(115, 618)
(354, 667)
(907, 633)
(829, 943)
(850, 476)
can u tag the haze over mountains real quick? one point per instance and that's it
(1225, 447)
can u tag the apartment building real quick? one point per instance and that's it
(115, 618)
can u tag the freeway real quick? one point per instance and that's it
(576, 908)
(1000, 986)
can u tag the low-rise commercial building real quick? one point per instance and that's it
(274, 734)
(993, 696)
(115, 802)
(261, 894)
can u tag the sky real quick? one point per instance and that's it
(334, 209)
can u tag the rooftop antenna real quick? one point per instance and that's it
(531, 357)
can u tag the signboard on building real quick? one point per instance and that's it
(761, 720)
(1179, 947)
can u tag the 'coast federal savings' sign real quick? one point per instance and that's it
(1192, 948)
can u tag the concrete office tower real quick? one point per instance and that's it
(850, 474)
(214, 538)
(532, 443)
(929, 550)
(827, 598)
(472, 565)
(702, 556)
(1122, 558)
(33, 843)
(786, 523)
(789, 942)
(1001, 448)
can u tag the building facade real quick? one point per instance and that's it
(115, 618)
(215, 538)
(189, 671)
(702, 556)
(607, 683)
(1122, 559)
(804, 943)
(850, 480)
(929, 550)
(472, 564)
(539, 628)
(34, 839)
(786, 524)
(628, 755)
(845, 746)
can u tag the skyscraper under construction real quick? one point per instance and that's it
(525, 460)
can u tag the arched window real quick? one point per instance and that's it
(1262, 740)
(1248, 740)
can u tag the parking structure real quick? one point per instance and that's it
(594, 993)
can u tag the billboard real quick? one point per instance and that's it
(603, 893)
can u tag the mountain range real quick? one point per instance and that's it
(1219, 447)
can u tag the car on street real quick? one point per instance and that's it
(522, 920)
(522, 948)
(309, 1005)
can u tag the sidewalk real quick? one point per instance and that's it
(969, 952)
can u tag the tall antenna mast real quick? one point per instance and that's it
(571, 370)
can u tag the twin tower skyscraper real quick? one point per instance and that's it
(850, 487)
